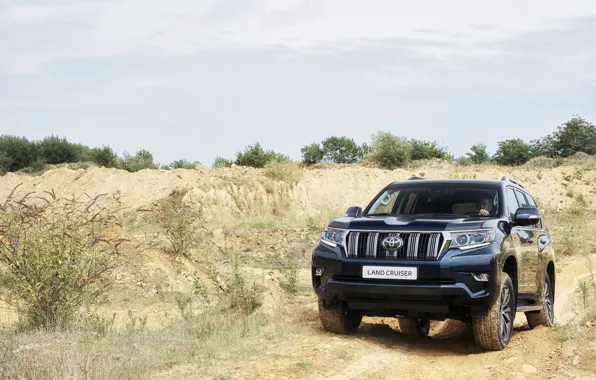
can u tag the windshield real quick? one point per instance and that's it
(437, 199)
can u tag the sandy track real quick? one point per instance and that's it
(379, 351)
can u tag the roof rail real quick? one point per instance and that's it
(505, 178)
(414, 178)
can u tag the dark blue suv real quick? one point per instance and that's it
(472, 250)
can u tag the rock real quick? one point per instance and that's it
(152, 292)
(576, 360)
(529, 369)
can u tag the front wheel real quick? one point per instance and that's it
(546, 316)
(339, 321)
(494, 331)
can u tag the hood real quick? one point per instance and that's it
(411, 223)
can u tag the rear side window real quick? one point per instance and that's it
(512, 204)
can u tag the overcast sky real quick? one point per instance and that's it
(195, 79)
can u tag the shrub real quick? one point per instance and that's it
(55, 150)
(178, 223)
(257, 157)
(104, 156)
(425, 150)
(18, 151)
(233, 288)
(341, 150)
(221, 162)
(513, 152)
(55, 253)
(312, 154)
(576, 135)
(142, 160)
(478, 154)
(286, 172)
(389, 151)
(5, 162)
(183, 164)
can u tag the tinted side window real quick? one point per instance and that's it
(531, 200)
(521, 199)
(512, 204)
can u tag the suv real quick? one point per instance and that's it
(471, 250)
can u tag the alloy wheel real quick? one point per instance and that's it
(507, 314)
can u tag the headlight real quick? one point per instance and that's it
(333, 236)
(472, 239)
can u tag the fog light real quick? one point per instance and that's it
(319, 271)
(480, 276)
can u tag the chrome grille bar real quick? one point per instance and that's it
(371, 246)
(413, 245)
(417, 246)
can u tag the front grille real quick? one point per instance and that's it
(417, 245)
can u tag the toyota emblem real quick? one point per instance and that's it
(392, 243)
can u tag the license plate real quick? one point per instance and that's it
(390, 273)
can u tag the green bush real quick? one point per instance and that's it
(426, 150)
(478, 154)
(55, 255)
(142, 160)
(18, 152)
(256, 157)
(55, 150)
(179, 224)
(513, 152)
(183, 164)
(312, 154)
(104, 156)
(221, 162)
(341, 150)
(389, 151)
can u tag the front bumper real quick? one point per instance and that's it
(445, 288)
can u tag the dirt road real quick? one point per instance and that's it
(380, 351)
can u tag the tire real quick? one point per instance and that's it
(493, 331)
(339, 321)
(414, 327)
(546, 316)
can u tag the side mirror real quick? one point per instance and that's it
(526, 216)
(354, 212)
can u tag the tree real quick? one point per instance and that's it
(142, 160)
(576, 135)
(257, 157)
(104, 156)
(544, 146)
(182, 164)
(18, 151)
(478, 154)
(341, 150)
(313, 153)
(389, 151)
(425, 150)
(55, 150)
(513, 152)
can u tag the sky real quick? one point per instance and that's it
(197, 79)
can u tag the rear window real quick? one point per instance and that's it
(436, 199)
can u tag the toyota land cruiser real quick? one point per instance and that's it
(472, 250)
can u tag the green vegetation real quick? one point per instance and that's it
(54, 256)
(385, 150)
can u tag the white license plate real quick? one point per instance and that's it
(390, 273)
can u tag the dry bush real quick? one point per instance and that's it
(55, 254)
(284, 171)
(177, 222)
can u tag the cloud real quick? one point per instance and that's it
(65, 30)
